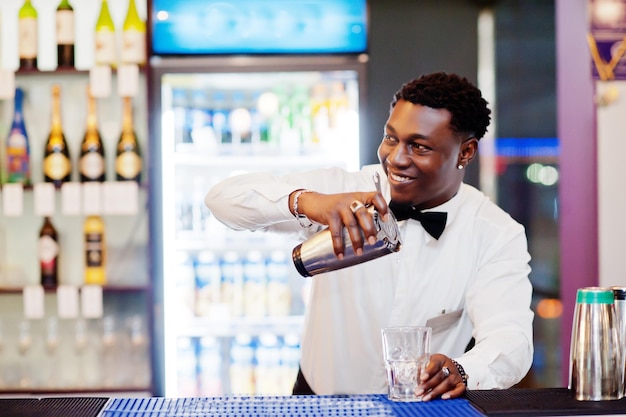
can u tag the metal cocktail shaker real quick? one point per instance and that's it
(596, 368)
(619, 296)
(315, 255)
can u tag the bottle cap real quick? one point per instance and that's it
(594, 295)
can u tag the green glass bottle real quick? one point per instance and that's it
(27, 35)
(65, 28)
(105, 53)
(134, 37)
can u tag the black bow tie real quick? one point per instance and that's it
(432, 221)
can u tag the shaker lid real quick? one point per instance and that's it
(594, 295)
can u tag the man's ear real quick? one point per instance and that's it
(468, 151)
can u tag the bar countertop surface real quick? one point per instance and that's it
(512, 402)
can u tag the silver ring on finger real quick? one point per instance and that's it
(445, 371)
(356, 205)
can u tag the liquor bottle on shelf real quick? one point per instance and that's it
(91, 164)
(57, 165)
(95, 250)
(65, 34)
(27, 28)
(105, 47)
(133, 37)
(48, 250)
(17, 147)
(128, 162)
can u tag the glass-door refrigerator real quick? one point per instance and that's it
(240, 86)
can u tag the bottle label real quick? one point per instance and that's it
(56, 166)
(17, 157)
(65, 27)
(128, 165)
(27, 29)
(17, 143)
(48, 250)
(93, 249)
(105, 47)
(92, 165)
(134, 47)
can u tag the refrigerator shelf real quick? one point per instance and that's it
(230, 327)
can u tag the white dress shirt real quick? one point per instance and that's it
(472, 282)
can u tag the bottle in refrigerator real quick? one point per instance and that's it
(95, 250)
(240, 121)
(48, 250)
(232, 283)
(289, 361)
(65, 34)
(320, 117)
(242, 363)
(267, 369)
(105, 44)
(259, 129)
(91, 164)
(133, 37)
(278, 290)
(182, 118)
(338, 104)
(27, 36)
(17, 146)
(187, 366)
(208, 284)
(255, 285)
(184, 274)
(289, 137)
(199, 211)
(57, 164)
(301, 114)
(267, 105)
(201, 119)
(210, 367)
(219, 122)
(128, 161)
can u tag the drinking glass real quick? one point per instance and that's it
(406, 352)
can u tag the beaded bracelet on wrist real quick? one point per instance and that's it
(459, 368)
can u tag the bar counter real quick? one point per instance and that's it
(512, 402)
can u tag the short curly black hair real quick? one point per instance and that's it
(470, 114)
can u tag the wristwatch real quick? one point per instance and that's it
(302, 218)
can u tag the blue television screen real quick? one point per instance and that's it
(205, 27)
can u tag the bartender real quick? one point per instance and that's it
(462, 269)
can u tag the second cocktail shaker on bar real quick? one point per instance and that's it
(596, 367)
(619, 296)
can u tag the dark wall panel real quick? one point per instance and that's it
(409, 38)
